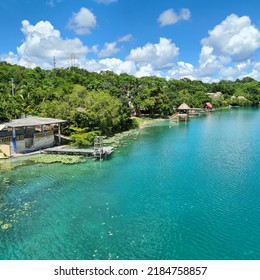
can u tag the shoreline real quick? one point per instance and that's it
(115, 141)
(147, 122)
(119, 138)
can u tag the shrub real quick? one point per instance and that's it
(84, 139)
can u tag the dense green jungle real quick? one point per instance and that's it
(104, 103)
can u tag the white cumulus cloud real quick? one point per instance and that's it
(255, 72)
(125, 38)
(82, 22)
(109, 49)
(227, 53)
(113, 64)
(146, 71)
(118, 66)
(169, 16)
(235, 37)
(159, 55)
(228, 72)
(182, 70)
(210, 63)
(42, 42)
(228, 49)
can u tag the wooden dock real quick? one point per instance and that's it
(173, 116)
(179, 117)
(95, 153)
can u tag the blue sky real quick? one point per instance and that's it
(197, 39)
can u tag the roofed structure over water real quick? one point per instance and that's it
(28, 134)
(183, 112)
(183, 108)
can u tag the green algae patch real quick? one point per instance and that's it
(66, 159)
(11, 216)
(6, 226)
(8, 165)
(119, 138)
(11, 164)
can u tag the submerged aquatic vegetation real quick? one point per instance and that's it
(10, 164)
(11, 215)
(67, 159)
(6, 226)
(119, 138)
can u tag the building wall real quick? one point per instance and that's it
(11, 148)
(43, 142)
(38, 143)
(28, 142)
(20, 146)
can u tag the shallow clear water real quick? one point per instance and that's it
(174, 191)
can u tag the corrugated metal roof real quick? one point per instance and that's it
(32, 121)
(2, 126)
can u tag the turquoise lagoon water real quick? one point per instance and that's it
(174, 191)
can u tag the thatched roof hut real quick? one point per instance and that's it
(183, 106)
(183, 111)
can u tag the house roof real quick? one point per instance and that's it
(32, 121)
(2, 126)
(209, 105)
(184, 106)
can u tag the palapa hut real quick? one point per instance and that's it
(183, 109)
(183, 112)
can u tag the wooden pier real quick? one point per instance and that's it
(179, 117)
(95, 153)
(184, 111)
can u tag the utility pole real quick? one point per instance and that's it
(13, 86)
(73, 60)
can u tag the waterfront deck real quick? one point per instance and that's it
(96, 153)
(179, 117)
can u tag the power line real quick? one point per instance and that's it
(73, 59)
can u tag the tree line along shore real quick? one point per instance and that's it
(104, 103)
